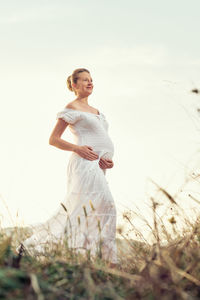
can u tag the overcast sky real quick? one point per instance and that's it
(144, 60)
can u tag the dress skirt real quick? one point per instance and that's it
(86, 217)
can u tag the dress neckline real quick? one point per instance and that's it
(87, 112)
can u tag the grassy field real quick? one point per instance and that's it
(160, 270)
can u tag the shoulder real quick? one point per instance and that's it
(71, 105)
(69, 114)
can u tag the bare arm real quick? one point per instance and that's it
(55, 137)
(55, 140)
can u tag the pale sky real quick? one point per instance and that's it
(144, 60)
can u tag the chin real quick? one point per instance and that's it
(89, 93)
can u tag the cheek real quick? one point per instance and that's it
(82, 86)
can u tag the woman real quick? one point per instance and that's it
(88, 216)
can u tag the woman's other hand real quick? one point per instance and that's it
(105, 163)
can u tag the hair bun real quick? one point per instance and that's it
(69, 83)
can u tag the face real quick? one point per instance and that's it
(84, 85)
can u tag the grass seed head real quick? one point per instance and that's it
(63, 206)
(99, 225)
(172, 220)
(92, 206)
(120, 229)
(85, 212)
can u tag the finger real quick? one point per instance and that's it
(109, 165)
(109, 160)
(102, 167)
(103, 161)
(93, 155)
(88, 158)
(90, 148)
(101, 158)
(106, 166)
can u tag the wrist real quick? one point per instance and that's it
(75, 148)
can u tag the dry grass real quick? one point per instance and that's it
(168, 268)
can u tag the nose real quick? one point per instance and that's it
(90, 84)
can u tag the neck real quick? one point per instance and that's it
(81, 99)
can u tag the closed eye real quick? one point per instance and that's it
(88, 79)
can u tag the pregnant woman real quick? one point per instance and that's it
(88, 215)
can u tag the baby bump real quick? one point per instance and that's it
(102, 145)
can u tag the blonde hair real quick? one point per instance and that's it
(74, 77)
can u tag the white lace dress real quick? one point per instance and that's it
(89, 213)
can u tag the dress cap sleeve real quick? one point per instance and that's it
(70, 116)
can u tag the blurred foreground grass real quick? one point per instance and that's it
(169, 270)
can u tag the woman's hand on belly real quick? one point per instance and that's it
(86, 152)
(105, 163)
